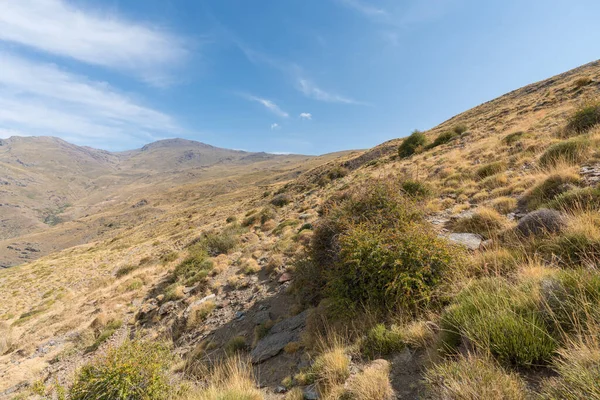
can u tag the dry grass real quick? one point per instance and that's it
(372, 383)
(199, 313)
(331, 368)
(474, 378)
(232, 379)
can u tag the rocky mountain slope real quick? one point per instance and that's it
(457, 263)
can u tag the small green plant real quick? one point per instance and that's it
(168, 257)
(195, 268)
(583, 119)
(443, 138)
(125, 270)
(416, 188)
(460, 129)
(580, 199)
(412, 144)
(105, 334)
(281, 200)
(489, 169)
(381, 341)
(235, 345)
(135, 370)
(572, 151)
(549, 188)
(512, 138)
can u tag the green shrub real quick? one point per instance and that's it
(416, 188)
(381, 341)
(125, 270)
(337, 172)
(195, 268)
(474, 378)
(572, 151)
(443, 138)
(575, 248)
(168, 257)
(104, 334)
(235, 345)
(581, 199)
(134, 370)
(287, 223)
(511, 138)
(267, 214)
(250, 220)
(390, 269)
(502, 319)
(281, 200)
(489, 169)
(548, 189)
(415, 142)
(214, 243)
(583, 119)
(460, 129)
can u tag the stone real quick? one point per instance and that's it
(261, 317)
(281, 334)
(471, 241)
(285, 277)
(239, 314)
(541, 222)
(166, 308)
(311, 394)
(280, 390)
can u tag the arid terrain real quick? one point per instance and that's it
(457, 263)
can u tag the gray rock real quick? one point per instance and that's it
(311, 394)
(471, 241)
(281, 334)
(541, 222)
(166, 308)
(261, 317)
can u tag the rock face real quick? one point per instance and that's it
(471, 241)
(540, 222)
(281, 334)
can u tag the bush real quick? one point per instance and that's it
(581, 199)
(381, 341)
(572, 151)
(125, 270)
(583, 119)
(337, 172)
(549, 188)
(281, 200)
(474, 378)
(460, 129)
(104, 334)
(489, 169)
(412, 144)
(134, 370)
(501, 319)
(485, 222)
(443, 138)
(512, 138)
(195, 268)
(416, 188)
(216, 243)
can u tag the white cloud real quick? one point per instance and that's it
(313, 91)
(43, 99)
(271, 106)
(364, 8)
(55, 27)
(275, 126)
(305, 116)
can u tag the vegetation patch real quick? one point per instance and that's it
(381, 341)
(489, 169)
(577, 200)
(583, 119)
(135, 370)
(572, 151)
(549, 188)
(486, 222)
(412, 144)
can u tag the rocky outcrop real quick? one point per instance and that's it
(281, 334)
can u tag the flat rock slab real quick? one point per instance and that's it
(471, 241)
(281, 334)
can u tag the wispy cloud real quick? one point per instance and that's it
(271, 106)
(275, 126)
(310, 89)
(43, 99)
(305, 116)
(58, 28)
(364, 8)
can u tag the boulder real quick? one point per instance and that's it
(471, 241)
(281, 334)
(541, 222)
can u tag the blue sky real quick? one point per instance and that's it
(302, 76)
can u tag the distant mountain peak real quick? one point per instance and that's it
(176, 142)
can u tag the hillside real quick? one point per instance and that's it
(48, 182)
(457, 263)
